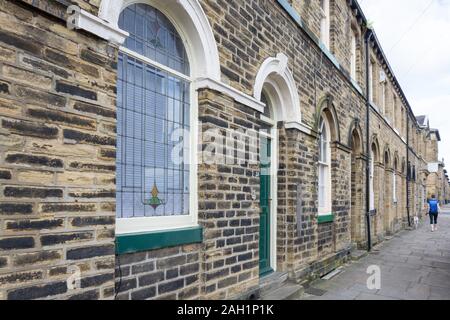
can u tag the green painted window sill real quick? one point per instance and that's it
(136, 242)
(326, 218)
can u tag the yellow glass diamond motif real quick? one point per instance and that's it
(154, 201)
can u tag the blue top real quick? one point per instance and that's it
(434, 206)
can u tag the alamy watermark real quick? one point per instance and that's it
(73, 13)
(374, 280)
(74, 280)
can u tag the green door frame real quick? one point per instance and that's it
(265, 204)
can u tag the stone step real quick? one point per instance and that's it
(358, 254)
(288, 291)
(272, 282)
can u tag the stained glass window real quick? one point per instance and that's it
(154, 36)
(153, 116)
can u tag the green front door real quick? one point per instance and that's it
(265, 199)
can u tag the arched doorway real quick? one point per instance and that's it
(275, 87)
(357, 169)
(268, 151)
(374, 190)
(396, 195)
(387, 193)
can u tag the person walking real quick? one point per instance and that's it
(433, 212)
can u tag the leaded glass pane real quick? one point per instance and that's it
(151, 106)
(323, 143)
(322, 185)
(154, 36)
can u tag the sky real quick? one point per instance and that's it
(415, 36)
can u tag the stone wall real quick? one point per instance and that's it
(57, 142)
(171, 273)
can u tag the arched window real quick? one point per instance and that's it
(325, 22)
(371, 179)
(353, 56)
(324, 167)
(371, 82)
(154, 177)
(394, 111)
(394, 182)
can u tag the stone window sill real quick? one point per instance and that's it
(325, 218)
(137, 242)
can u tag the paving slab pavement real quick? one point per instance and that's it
(414, 265)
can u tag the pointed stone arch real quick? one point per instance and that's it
(375, 145)
(355, 133)
(387, 158)
(326, 108)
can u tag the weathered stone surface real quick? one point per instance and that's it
(16, 278)
(42, 257)
(35, 177)
(90, 252)
(44, 66)
(36, 292)
(89, 295)
(4, 87)
(96, 281)
(3, 262)
(62, 238)
(67, 207)
(75, 91)
(5, 174)
(24, 192)
(93, 167)
(61, 117)
(16, 243)
(31, 129)
(40, 97)
(93, 109)
(27, 77)
(18, 158)
(93, 194)
(34, 224)
(83, 137)
(20, 42)
(46, 69)
(92, 221)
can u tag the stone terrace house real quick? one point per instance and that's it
(186, 149)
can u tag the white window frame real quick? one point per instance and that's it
(383, 96)
(327, 208)
(394, 110)
(163, 223)
(370, 84)
(394, 187)
(371, 182)
(353, 57)
(325, 23)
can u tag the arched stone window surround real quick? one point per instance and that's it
(355, 129)
(193, 26)
(375, 145)
(326, 109)
(275, 72)
(190, 21)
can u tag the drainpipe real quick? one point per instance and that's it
(367, 39)
(407, 169)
